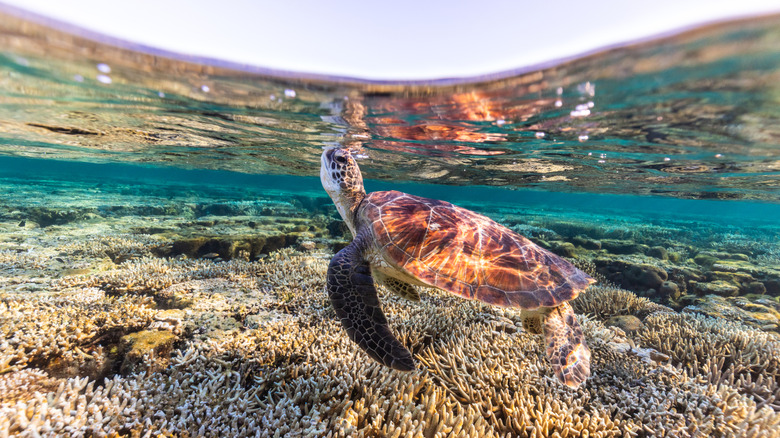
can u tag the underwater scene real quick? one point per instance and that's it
(166, 240)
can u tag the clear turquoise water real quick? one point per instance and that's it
(693, 117)
(679, 130)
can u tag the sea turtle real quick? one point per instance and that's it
(403, 241)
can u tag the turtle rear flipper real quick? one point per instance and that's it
(396, 286)
(354, 297)
(566, 349)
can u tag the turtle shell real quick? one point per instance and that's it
(468, 254)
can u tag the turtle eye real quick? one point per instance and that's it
(341, 159)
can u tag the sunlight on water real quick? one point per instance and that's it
(692, 117)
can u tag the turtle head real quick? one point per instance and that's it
(341, 178)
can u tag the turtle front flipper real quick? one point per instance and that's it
(354, 297)
(566, 349)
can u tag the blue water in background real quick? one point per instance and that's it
(238, 187)
(693, 117)
(681, 134)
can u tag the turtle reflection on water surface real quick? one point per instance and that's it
(403, 241)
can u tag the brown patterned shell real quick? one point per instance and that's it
(468, 254)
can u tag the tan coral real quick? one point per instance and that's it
(720, 352)
(483, 375)
(43, 327)
(607, 301)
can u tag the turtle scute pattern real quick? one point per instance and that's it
(566, 349)
(469, 254)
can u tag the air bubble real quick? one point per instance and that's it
(587, 89)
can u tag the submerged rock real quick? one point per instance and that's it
(564, 249)
(658, 252)
(338, 229)
(624, 247)
(708, 259)
(627, 323)
(230, 247)
(705, 260)
(718, 287)
(669, 290)
(147, 350)
(754, 314)
(632, 275)
(586, 243)
(45, 216)
(772, 287)
(644, 276)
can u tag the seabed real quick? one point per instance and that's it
(214, 321)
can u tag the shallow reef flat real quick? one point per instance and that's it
(118, 323)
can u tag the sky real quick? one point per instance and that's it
(388, 40)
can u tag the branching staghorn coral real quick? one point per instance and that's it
(118, 248)
(607, 301)
(149, 275)
(36, 329)
(719, 351)
(21, 260)
(480, 373)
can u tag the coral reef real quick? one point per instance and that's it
(607, 301)
(762, 313)
(208, 325)
(64, 329)
(260, 353)
(118, 248)
(719, 351)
